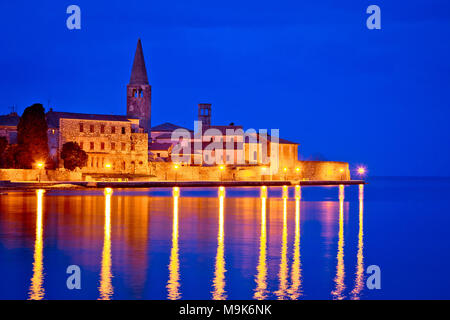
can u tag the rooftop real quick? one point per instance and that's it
(159, 146)
(53, 117)
(168, 127)
(10, 120)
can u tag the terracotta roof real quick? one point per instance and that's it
(269, 138)
(222, 129)
(10, 120)
(53, 117)
(168, 127)
(159, 146)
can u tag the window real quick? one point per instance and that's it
(123, 146)
(123, 130)
(140, 162)
(102, 146)
(113, 130)
(81, 144)
(158, 154)
(113, 146)
(132, 147)
(102, 128)
(92, 146)
(255, 155)
(91, 128)
(124, 166)
(81, 127)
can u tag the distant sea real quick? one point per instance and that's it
(242, 243)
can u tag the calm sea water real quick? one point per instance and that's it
(240, 243)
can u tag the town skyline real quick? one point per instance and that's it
(324, 103)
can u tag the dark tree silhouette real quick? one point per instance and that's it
(10, 156)
(3, 147)
(32, 137)
(73, 156)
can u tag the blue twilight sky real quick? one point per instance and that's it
(310, 68)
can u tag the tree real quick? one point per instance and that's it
(10, 156)
(73, 156)
(3, 146)
(32, 136)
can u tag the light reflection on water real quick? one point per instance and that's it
(359, 274)
(261, 277)
(173, 285)
(106, 289)
(36, 288)
(340, 268)
(219, 292)
(140, 246)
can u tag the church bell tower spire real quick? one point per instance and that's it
(139, 91)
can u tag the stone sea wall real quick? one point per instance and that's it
(165, 171)
(36, 174)
(303, 170)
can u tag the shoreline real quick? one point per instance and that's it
(61, 185)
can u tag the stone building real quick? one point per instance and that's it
(115, 144)
(8, 127)
(128, 145)
(212, 145)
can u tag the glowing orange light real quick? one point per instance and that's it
(107, 166)
(284, 169)
(285, 192)
(176, 192)
(108, 191)
(297, 169)
(222, 167)
(176, 166)
(40, 165)
(341, 170)
(361, 170)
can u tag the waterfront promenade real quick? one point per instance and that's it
(168, 184)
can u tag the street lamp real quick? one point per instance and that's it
(361, 172)
(176, 167)
(298, 171)
(221, 168)
(263, 170)
(39, 165)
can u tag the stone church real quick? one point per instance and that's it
(123, 145)
(115, 144)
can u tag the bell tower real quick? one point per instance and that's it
(139, 92)
(204, 113)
